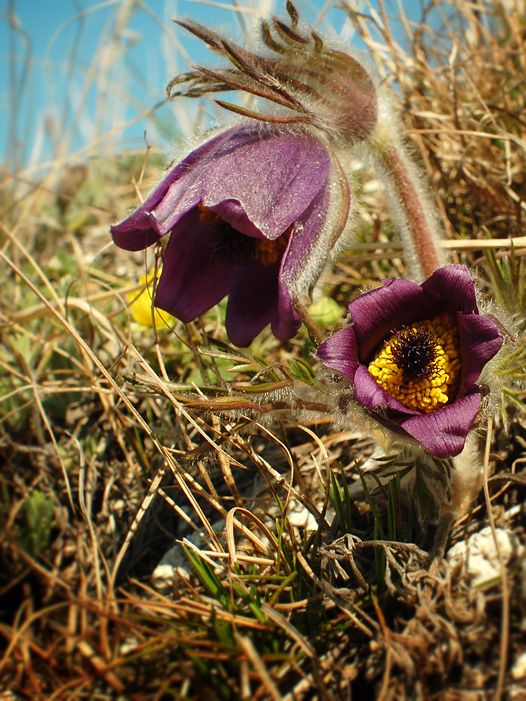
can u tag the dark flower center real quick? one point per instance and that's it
(413, 351)
(419, 365)
(235, 248)
(231, 246)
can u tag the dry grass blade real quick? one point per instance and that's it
(505, 617)
(182, 519)
(259, 666)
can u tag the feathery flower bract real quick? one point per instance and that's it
(321, 86)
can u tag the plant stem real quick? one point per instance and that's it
(415, 216)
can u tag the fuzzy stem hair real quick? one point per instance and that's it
(412, 208)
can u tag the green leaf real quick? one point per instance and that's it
(37, 515)
(302, 370)
(208, 577)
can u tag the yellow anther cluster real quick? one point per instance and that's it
(269, 252)
(206, 216)
(438, 384)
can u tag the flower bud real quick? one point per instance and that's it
(320, 86)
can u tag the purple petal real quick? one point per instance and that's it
(232, 212)
(176, 194)
(139, 234)
(340, 352)
(273, 176)
(443, 433)
(193, 277)
(286, 322)
(479, 340)
(257, 299)
(303, 239)
(252, 303)
(453, 286)
(377, 313)
(370, 395)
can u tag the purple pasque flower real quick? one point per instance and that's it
(413, 355)
(246, 213)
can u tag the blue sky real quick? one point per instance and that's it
(80, 90)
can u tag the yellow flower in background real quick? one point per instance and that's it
(141, 303)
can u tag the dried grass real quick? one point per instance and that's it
(119, 443)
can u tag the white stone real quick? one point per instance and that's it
(163, 571)
(300, 517)
(479, 554)
(518, 671)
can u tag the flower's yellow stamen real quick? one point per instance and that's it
(206, 216)
(269, 252)
(426, 387)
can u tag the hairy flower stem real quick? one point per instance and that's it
(421, 246)
(315, 333)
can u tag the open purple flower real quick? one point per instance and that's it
(246, 213)
(414, 354)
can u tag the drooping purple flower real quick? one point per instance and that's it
(247, 216)
(413, 355)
